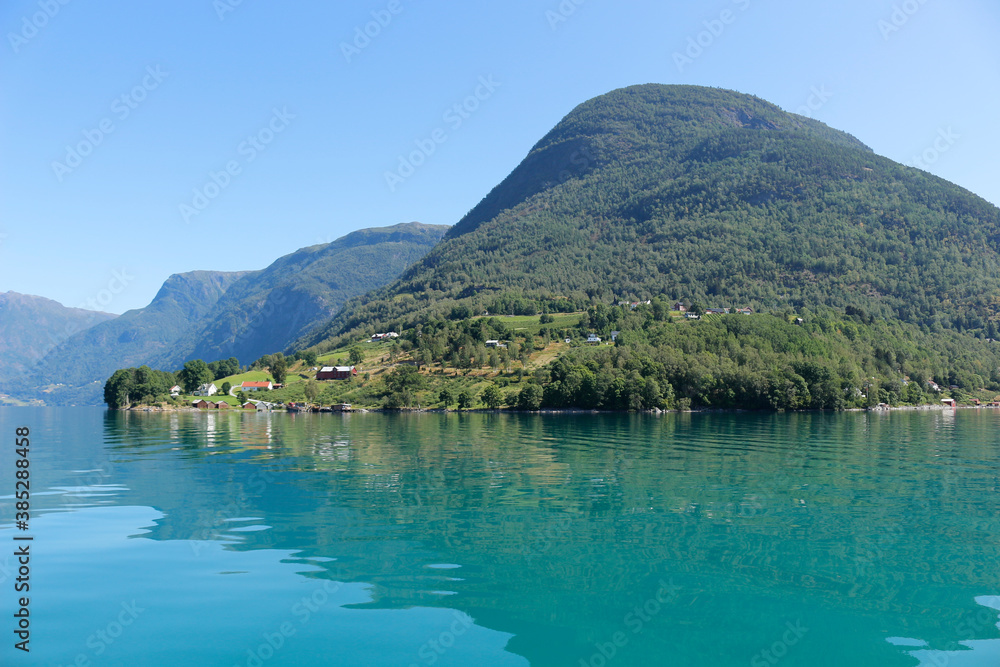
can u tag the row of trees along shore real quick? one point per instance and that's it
(829, 360)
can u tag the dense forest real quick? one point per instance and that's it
(708, 195)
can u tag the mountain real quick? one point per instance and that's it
(215, 315)
(708, 195)
(68, 373)
(266, 310)
(30, 326)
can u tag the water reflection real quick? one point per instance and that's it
(552, 532)
(972, 652)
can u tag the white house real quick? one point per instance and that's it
(207, 390)
(614, 335)
(175, 390)
(593, 338)
(257, 386)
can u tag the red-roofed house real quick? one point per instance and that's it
(256, 386)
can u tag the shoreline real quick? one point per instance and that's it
(566, 411)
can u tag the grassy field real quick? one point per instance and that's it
(251, 376)
(530, 323)
(367, 389)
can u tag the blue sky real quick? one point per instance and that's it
(112, 119)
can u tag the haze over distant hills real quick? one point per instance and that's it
(713, 196)
(30, 326)
(214, 315)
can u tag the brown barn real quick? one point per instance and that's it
(336, 373)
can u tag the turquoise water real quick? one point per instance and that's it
(251, 540)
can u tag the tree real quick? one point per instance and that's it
(312, 390)
(357, 356)
(129, 386)
(226, 387)
(446, 397)
(661, 310)
(492, 397)
(511, 397)
(118, 389)
(404, 378)
(194, 374)
(308, 357)
(241, 396)
(279, 367)
(224, 368)
(652, 397)
(530, 397)
(399, 399)
(465, 400)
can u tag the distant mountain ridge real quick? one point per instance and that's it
(710, 195)
(70, 370)
(31, 326)
(215, 315)
(265, 311)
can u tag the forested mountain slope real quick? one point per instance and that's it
(709, 195)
